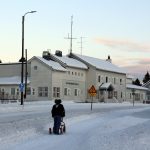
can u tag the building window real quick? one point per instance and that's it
(99, 78)
(28, 90)
(120, 81)
(78, 73)
(12, 91)
(114, 80)
(115, 94)
(67, 92)
(35, 67)
(69, 72)
(17, 91)
(43, 91)
(56, 91)
(82, 74)
(75, 73)
(121, 94)
(106, 79)
(137, 96)
(76, 92)
(33, 91)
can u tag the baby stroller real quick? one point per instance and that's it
(62, 128)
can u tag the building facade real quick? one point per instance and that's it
(67, 77)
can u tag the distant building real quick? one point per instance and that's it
(147, 85)
(139, 91)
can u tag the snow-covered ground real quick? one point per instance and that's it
(106, 127)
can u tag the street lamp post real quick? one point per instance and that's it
(22, 60)
(133, 93)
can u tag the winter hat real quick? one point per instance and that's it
(57, 101)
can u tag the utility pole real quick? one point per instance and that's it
(70, 37)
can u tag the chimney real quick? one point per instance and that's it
(46, 55)
(109, 59)
(58, 53)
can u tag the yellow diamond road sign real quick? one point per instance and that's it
(92, 91)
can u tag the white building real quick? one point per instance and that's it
(67, 77)
(109, 79)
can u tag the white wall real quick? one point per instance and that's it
(114, 79)
(42, 77)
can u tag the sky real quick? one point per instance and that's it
(119, 28)
(111, 126)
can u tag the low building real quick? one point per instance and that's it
(134, 92)
(147, 85)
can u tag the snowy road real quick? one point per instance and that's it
(106, 127)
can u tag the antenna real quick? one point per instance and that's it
(81, 42)
(71, 38)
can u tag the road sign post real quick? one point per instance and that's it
(21, 87)
(92, 92)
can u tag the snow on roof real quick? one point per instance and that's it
(51, 63)
(132, 86)
(15, 80)
(101, 64)
(106, 86)
(71, 62)
(129, 76)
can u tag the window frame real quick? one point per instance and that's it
(42, 91)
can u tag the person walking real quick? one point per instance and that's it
(58, 112)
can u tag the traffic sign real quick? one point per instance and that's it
(21, 87)
(92, 91)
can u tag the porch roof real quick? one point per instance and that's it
(14, 80)
(131, 86)
(106, 86)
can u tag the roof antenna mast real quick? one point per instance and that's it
(81, 42)
(70, 37)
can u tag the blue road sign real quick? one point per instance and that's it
(21, 87)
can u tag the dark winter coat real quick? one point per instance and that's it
(58, 110)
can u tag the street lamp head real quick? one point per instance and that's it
(33, 11)
(29, 12)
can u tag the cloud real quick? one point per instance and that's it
(137, 69)
(136, 65)
(123, 44)
(132, 61)
(145, 61)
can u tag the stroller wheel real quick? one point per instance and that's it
(50, 131)
(64, 129)
(61, 131)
